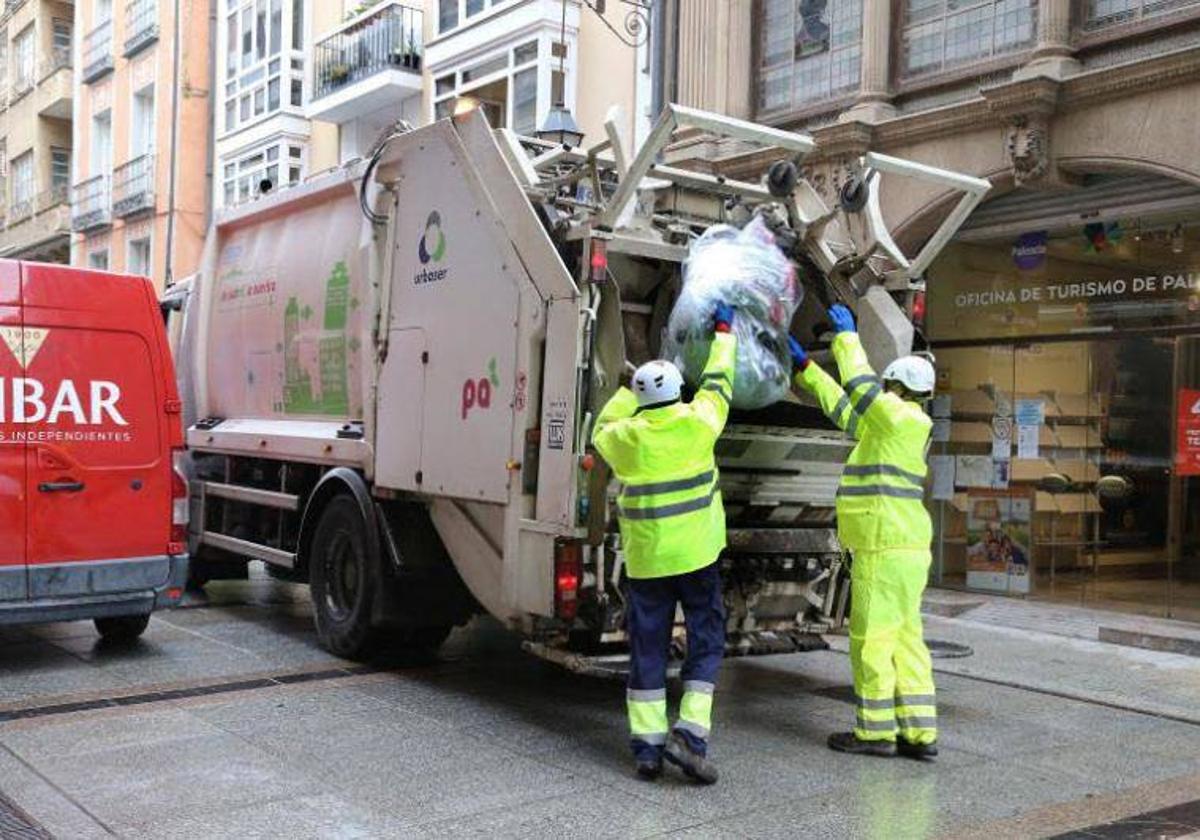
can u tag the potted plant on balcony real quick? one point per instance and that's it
(407, 54)
(338, 73)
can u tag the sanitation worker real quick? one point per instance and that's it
(883, 523)
(672, 530)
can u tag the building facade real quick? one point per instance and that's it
(35, 129)
(141, 131)
(1065, 316)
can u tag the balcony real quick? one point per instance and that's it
(41, 231)
(369, 64)
(141, 26)
(20, 87)
(133, 187)
(55, 90)
(92, 205)
(98, 52)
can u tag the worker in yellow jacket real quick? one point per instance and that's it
(883, 523)
(672, 532)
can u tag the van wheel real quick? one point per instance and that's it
(343, 579)
(122, 628)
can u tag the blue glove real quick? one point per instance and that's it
(841, 318)
(799, 357)
(723, 317)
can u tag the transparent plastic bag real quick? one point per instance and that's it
(745, 269)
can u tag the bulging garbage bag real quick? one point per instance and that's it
(745, 269)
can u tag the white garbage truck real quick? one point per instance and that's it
(392, 373)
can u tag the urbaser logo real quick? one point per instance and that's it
(27, 400)
(431, 249)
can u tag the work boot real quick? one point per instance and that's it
(694, 765)
(649, 768)
(921, 752)
(848, 742)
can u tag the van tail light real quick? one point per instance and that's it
(179, 512)
(568, 572)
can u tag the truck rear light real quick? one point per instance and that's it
(599, 261)
(918, 309)
(179, 512)
(568, 572)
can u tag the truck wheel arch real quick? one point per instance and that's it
(337, 480)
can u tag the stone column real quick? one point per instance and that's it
(874, 101)
(1052, 56)
(715, 55)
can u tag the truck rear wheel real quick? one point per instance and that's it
(122, 628)
(343, 579)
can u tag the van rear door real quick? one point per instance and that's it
(13, 585)
(99, 471)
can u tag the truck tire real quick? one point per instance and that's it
(343, 579)
(122, 628)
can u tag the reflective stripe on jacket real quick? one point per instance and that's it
(880, 501)
(670, 512)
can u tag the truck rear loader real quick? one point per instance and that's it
(391, 374)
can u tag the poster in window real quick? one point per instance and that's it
(812, 27)
(999, 540)
(1187, 444)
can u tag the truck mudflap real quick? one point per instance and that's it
(616, 665)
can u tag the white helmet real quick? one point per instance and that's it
(657, 382)
(913, 372)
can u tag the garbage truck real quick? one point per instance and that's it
(391, 375)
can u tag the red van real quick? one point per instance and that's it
(93, 514)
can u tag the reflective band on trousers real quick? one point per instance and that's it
(694, 728)
(632, 491)
(645, 695)
(916, 722)
(866, 470)
(876, 725)
(864, 703)
(916, 700)
(881, 490)
(669, 510)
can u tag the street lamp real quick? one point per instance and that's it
(560, 127)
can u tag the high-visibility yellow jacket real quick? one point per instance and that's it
(669, 508)
(880, 499)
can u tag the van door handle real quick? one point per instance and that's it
(60, 486)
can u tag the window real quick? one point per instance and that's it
(447, 15)
(811, 51)
(103, 12)
(474, 7)
(60, 170)
(941, 34)
(137, 257)
(22, 184)
(1098, 14)
(261, 60)
(3, 59)
(262, 171)
(508, 87)
(98, 260)
(23, 61)
(60, 37)
(142, 130)
(102, 144)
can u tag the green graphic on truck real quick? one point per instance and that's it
(329, 394)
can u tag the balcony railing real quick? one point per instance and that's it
(133, 187)
(59, 59)
(20, 211)
(21, 86)
(53, 197)
(98, 52)
(92, 205)
(388, 38)
(141, 25)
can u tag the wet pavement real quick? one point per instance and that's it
(228, 720)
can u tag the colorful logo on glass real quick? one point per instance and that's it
(433, 237)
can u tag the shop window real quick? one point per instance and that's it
(941, 34)
(811, 51)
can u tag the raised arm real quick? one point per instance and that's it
(715, 393)
(609, 436)
(868, 400)
(829, 394)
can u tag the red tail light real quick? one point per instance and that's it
(918, 309)
(568, 572)
(599, 261)
(179, 512)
